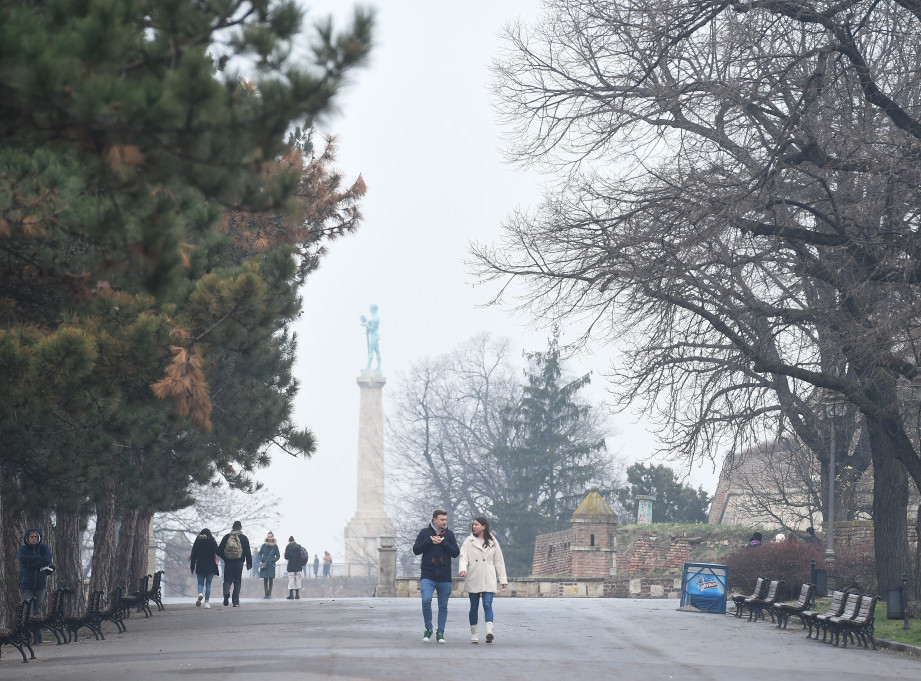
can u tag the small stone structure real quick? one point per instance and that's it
(589, 549)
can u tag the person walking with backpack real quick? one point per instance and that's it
(235, 551)
(483, 568)
(296, 555)
(268, 556)
(204, 565)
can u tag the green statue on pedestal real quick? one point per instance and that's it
(374, 342)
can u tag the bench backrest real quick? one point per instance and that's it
(772, 590)
(805, 595)
(850, 606)
(867, 608)
(836, 607)
(759, 589)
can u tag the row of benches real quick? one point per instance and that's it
(850, 615)
(65, 629)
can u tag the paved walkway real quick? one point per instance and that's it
(536, 639)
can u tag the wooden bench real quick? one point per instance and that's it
(761, 585)
(155, 592)
(139, 600)
(757, 606)
(19, 636)
(835, 608)
(860, 625)
(823, 620)
(783, 611)
(115, 612)
(89, 620)
(53, 621)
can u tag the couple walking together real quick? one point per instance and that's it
(481, 565)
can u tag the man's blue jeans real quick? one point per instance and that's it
(428, 588)
(475, 606)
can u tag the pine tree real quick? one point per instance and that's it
(561, 454)
(125, 138)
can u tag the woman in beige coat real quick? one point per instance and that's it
(483, 568)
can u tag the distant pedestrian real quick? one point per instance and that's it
(810, 536)
(483, 568)
(316, 566)
(34, 567)
(235, 551)
(204, 565)
(268, 556)
(327, 563)
(437, 546)
(756, 539)
(295, 563)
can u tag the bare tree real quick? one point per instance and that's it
(459, 440)
(215, 507)
(740, 212)
(448, 414)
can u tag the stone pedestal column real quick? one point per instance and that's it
(370, 522)
(387, 569)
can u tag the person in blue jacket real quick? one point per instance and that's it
(34, 567)
(437, 546)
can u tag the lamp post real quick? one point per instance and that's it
(834, 407)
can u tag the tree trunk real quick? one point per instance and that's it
(103, 561)
(68, 563)
(139, 542)
(12, 527)
(126, 571)
(917, 567)
(890, 510)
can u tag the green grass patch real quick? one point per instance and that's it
(892, 630)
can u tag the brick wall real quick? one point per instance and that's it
(653, 553)
(552, 555)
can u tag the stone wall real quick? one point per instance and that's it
(646, 586)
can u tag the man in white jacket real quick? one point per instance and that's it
(483, 568)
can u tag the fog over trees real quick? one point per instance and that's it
(738, 211)
(473, 434)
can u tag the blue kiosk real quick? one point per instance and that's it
(704, 586)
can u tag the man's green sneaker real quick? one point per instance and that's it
(440, 638)
(427, 636)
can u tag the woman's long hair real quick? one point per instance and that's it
(487, 535)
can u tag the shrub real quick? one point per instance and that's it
(789, 561)
(855, 565)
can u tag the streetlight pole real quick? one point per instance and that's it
(833, 405)
(830, 524)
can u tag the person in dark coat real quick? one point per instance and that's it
(233, 566)
(437, 546)
(204, 564)
(34, 567)
(293, 556)
(268, 556)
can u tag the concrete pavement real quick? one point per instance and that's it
(550, 639)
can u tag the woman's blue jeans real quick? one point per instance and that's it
(475, 606)
(204, 585)
(428, 588)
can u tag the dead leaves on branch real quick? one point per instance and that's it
(185, 384)
(322, 210)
